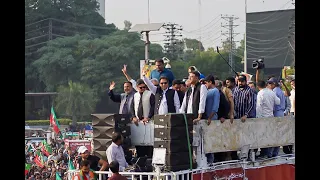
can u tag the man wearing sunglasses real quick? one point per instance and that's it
(142, 109)
(166, 100)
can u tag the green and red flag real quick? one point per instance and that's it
(46, 148)
(58, 176)
(38, 161)
(70, 165)
(27, 168)
(54, 121)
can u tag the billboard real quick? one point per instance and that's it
(267, 35)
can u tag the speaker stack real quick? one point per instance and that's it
(170, 133)
(104, 126)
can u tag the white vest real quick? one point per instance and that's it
(145, 103)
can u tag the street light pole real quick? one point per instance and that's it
(245, 38)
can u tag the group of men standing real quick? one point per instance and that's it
(205, 98)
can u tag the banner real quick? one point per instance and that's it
(277, 172)
(147, 68)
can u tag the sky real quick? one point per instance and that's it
(206, 24)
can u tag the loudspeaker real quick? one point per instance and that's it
(101, 154)
(176, 159)
(173, 120)
(113, 120)
(101, 144)
(172, 146)
(172, 133)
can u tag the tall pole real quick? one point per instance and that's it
(148, 11)
(199, 4)
(245, 38)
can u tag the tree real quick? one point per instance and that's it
(75, 100)
(193, 44)
(127, 25)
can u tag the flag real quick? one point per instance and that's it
(30, 148)
(54, 121)
(27, 168)
(70, 165)
(58, 176)
(38, 161)
(47, 147)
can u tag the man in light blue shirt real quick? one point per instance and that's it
(278, 110)
(212, 105)
(162, 71)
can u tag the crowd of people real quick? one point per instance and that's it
(206, 97)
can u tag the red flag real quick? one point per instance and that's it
(54, 121)
(38, 161)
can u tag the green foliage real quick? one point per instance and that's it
(193, 44)
(47, 122)
(75, 100)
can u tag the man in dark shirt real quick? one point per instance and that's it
(161, 71)
(114, 167)
(243, 99)
(124, 99)
(94, 160)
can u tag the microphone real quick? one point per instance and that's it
(226, 61)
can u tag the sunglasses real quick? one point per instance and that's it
(164, 83)
(142, 87)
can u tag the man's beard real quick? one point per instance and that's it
(241, 86)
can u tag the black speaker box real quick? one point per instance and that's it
(106, 132)
(173, 146)
(173, 120)
(110, 119)
(171, 133)
(176, 159)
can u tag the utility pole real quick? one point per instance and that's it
(173, 42)
(245, 38)
(230, 36)
(199, 20)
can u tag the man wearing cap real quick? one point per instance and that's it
(278, 110)
(94, 160)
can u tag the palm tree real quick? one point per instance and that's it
(75, 100)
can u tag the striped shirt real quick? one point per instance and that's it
(243, 101)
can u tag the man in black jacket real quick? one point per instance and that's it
(166, 100)
(194, 100)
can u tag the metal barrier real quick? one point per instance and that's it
(188, 174)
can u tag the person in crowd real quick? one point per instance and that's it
(194, 100)
(231, 83)
(278, 110)
(161, 71)
(212, 105)
(166, 100)
(183, 88)
(115, 152)
(177, 85)
(124, 99)
(142, 109)
(193, 68)
(93, 160)
(85, 172)
(292, 96)
(266, 100)
(252, 85)
(114, 167)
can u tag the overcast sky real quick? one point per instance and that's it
(186, 14)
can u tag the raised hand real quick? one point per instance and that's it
(112, 85)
